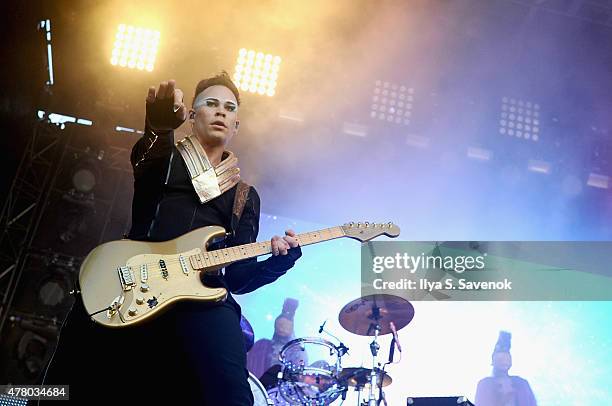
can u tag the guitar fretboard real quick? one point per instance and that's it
(226, 256)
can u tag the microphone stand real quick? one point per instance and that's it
(342, 350)
(381, 395)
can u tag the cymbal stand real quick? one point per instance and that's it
(374, 347)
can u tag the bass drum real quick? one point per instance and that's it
(259, 392)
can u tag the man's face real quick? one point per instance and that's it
(215, 121)
(502, 361)
(283, 327)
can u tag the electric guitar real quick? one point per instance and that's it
(125, 282)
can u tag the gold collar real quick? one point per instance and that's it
(208, 181)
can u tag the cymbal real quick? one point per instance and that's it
(359, 377)
(361, 315)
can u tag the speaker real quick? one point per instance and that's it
(27, 345)
(46, 284)
(439, 401)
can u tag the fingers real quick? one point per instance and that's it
(279, 246)
(166, 90)
(179, 106)
(170, 88)
(161, 92)
(151, 95)
(178, 98)
(290, 239)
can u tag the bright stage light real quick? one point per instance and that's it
(539, 166)
(256, 72)
(135, 47)
(520, 119)
(598, 181)
(392, 102)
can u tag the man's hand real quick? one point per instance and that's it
(280, 246)
(165, 108)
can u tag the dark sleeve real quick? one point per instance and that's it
(149, 149)
(247, 275)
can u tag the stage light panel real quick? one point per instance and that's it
(135, 47)
(392, 102)
(519, 119)
(598, 181)
(256, 72)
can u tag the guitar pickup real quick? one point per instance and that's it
(144, 273)
(183, 263)
(126, 277)
(164, 269)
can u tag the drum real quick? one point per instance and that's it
(276, 397)
(259, 392)
(309, 372)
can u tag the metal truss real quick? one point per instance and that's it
(24, 206)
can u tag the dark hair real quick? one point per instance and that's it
(222, 79)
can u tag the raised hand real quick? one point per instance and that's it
(165, 108)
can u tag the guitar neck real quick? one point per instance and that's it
(226, 256)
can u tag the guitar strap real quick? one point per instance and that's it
(242, 195)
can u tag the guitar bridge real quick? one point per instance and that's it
(126, 277)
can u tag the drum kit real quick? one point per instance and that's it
(311, 372)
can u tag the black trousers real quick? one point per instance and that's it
(194, 355)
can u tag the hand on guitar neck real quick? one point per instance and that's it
(281, 245)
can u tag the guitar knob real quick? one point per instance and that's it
(132, 311)
(139, 300)
(144, 287)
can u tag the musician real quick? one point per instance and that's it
(502, 389)
(193, 352)
(263, 358)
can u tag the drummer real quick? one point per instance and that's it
(265, 353)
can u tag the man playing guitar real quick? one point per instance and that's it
(193, 353)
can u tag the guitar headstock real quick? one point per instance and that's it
(366, 231)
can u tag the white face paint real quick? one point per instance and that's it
(212, 102)
(216, 115)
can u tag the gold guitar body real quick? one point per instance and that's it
(125, 282)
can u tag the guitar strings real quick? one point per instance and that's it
(269, 248)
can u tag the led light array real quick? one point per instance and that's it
(520, 119)
(257, 72)
(135, 47)
(392, 102)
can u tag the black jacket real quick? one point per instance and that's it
(165, 206)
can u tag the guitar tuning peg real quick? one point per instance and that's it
(367, 224)
(351, 224)
(389, 224)
(359, 225)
